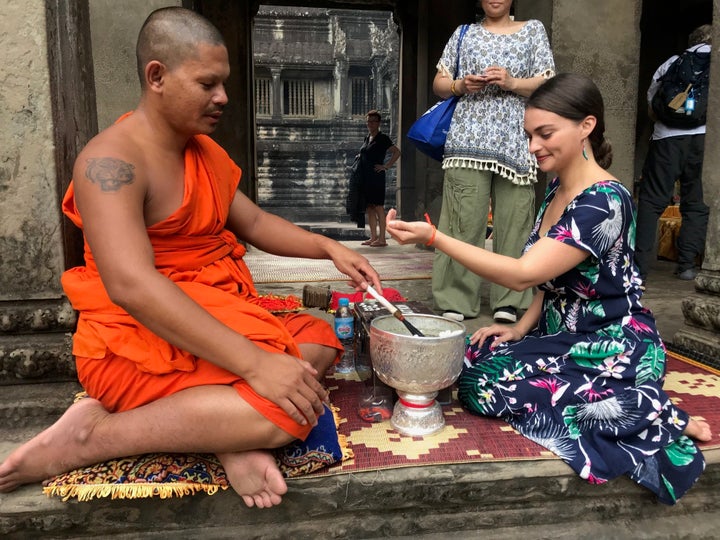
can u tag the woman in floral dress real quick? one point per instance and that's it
(581, 372)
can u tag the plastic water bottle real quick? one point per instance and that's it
(344, 330)
(690, 103)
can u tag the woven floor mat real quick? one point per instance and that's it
(468, 438)
(267, 268)
(369, 447)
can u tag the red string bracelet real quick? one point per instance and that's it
(432, 237)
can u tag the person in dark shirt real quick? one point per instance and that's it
(372, 170)
(674, 154)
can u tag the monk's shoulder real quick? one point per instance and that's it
(112, 158)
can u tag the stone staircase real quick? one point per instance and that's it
(505, 500)
(302, 168)
(337, 230)
(523, 499)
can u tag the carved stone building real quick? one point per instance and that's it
(317, 72)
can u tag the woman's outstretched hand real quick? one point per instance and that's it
(404, 232)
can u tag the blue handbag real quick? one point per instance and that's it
(429, 132)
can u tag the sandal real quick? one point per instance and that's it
(368, 242)
(378, 244)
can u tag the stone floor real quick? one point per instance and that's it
(523, 499)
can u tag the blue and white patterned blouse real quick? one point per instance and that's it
(486, 132)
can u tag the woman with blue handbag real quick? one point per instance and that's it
(500, 62)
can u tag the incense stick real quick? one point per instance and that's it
(394, 311)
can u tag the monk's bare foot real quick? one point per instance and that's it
(254, 475)
(698, 430)
(60, 448)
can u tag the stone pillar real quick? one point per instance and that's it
(341, 77)
(425, 29)
(276, 93)
(408, 183)
(236, 132)
(377, 84)
(342, 89)
(601, 39)
(701, 330)
(39, 38)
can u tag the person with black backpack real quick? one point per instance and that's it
(677, 100)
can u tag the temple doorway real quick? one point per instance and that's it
(317, 72)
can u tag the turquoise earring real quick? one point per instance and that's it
(584, 153)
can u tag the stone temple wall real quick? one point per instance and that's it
(30, 240)
(34, 315)
(114, 29)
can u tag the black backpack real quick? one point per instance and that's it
(681, 99)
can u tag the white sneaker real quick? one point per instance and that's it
(454, 316)
(505, 315)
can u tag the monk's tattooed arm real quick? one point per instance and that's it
(109, 173)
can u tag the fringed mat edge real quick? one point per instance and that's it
(347, 452)
(88, 492)
(165, 490)
(692, 362)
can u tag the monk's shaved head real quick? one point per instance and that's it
(171, 35)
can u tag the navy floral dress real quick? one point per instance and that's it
(587, 382)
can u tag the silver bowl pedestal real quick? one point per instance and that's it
(417, 367)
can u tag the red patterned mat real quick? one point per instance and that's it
(465, 437)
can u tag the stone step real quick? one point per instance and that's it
(498, 500)
(337, 232)
(474, 500)
(34, 405)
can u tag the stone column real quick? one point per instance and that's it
(342, 88)
(276, 93)
(341, 76)
(425, 29)
(35, 317)
(236, 132)
(579, 31)
(377, 84)
(701, 330)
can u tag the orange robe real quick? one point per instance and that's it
(122, 363)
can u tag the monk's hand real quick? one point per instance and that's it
(356, 267)
(405, 232)
(290, 383)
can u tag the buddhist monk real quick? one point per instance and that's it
(171, 344)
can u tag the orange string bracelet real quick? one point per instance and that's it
(434, 231)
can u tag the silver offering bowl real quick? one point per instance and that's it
(417, 367)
